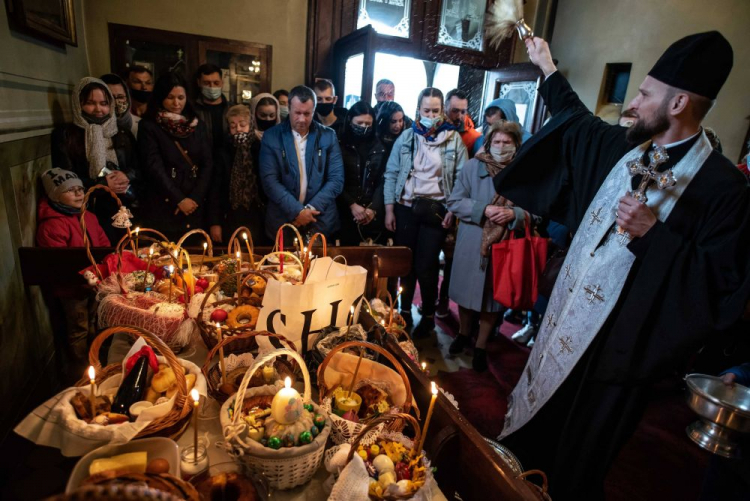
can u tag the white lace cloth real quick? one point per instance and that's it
(55, 424)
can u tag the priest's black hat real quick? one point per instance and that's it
(698, 63)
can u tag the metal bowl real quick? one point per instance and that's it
(508, 457)
(724, 412)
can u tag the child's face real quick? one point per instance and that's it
(73, 197)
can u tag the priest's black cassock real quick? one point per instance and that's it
(689, 283)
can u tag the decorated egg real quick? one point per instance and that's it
(314, 431)
(404, 487)
(362, 454)
(305, 437)
(274, 443)
(309, 407)
(319, 420)
(289, 440)
(202, 283)
(218, 315)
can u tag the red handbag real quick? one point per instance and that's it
(517, 264)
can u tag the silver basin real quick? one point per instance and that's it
(724, 413)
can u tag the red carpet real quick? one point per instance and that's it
(658, 463)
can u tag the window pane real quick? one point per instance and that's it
(388, 17)
(353, 79)
(461, 23)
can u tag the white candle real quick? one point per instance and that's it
(92, 395)
(196, 401)
(286, 407)
(420, 445)
(171, 271)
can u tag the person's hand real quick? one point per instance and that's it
(390, 218)
(118, 182)
(305, 217)
(728, 378)
(539, 54)
(369, 216)
(187, 206)
(499, 215)
(215, 232)
(448, 220)
(634, 217)
(358, 212)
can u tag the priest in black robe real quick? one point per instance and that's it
(690, 278)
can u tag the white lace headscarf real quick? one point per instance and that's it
(99, 149)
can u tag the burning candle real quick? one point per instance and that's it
(196, 402)
(92, 394)
(296, 245)
(239, 272)
(356, 371)
(221, 354)
(418, 450)
(424, 367)
(281, 249)
(137, 231)
(286, 407)
(205, 247)
(148, 267)
(171, 271)
(249, 250)
(351, 319)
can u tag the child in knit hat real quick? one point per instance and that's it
(58, 225)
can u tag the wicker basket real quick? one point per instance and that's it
(284, 468)
(200, 259)
(173, 424)
(208, 328)
(213, 372)
(363, 437)
(343, 430)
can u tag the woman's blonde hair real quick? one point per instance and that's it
(511, 128)
(238, 110)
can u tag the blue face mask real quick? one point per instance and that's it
(426, 122)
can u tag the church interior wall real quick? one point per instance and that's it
(590, 33)
(281, 24)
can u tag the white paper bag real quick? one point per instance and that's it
(299, 312)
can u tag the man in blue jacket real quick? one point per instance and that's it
(301, 170)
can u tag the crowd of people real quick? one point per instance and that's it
(180, 156)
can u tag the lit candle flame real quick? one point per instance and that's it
(434, 388)
(238, 254)
(244, 235)
(137, 230)
(150, 251)
(400, 290)
(424, 367)
(287, 382)
(92, 372)
(304, 249)
(195, 395)
(171, 269)
(218, 325)
(205, 245)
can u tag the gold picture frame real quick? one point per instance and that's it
(49, 19)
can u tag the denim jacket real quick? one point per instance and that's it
(400, 163)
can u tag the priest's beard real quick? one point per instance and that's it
(644, 130)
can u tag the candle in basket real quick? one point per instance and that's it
(281, 249)
(239, 272)
(249, 250)
(171, 271)
(420, 445)
(203, 256)
(137, 249)
(196, 401)
(221, 354)
(286, 407)
(148, 267)
(92, 394)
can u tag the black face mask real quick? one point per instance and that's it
(360, 131)
(264, 125)
(142, 96)
(324, 109)
(95, 120)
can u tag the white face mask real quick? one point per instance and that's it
(503, 154)
(426, 122)
(212, 93)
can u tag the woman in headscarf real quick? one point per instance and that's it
(176, 159)
(98, 152)
(237, 197)
(499, 109)
(485, 219)
(264, 109)
(419, 177)
(361, 203)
